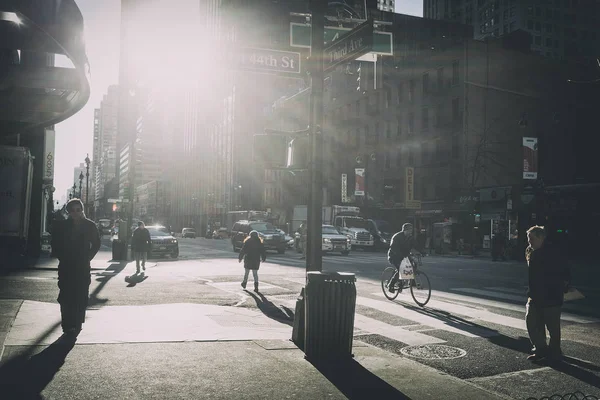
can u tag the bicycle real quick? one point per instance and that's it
(420, 288)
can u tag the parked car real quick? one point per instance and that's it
(271, 237)
(188, 233)
(163, 243)
(288, 239)
(221, 233)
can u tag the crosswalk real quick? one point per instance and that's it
(332, 259)
(459, 312)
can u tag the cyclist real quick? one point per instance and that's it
(401, 245)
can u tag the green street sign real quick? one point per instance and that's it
(300, 35)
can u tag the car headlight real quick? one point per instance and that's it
(174, 241)
(348, 240)
(326, 240)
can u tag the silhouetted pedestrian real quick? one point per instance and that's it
(75, 242)
(252, 252)
(549, 277)
(140, 245)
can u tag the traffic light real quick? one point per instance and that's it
(298, 153)
(270, 150)
(114, 207)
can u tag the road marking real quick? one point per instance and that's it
(521, 299)
(411, 338)
(422, 318)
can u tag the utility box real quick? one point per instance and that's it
(330, 306)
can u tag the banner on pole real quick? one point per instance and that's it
(359, 181)
(530, 158)
(344, 188)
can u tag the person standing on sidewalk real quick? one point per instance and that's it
(75, 242)
(549, 277)
(252, 252)
(140, 245)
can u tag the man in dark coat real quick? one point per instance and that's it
(549, 277)
(140, 245)
(75, 242)
(252, 252)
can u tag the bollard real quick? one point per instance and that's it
(330, 305)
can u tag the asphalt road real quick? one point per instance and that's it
(472, 328)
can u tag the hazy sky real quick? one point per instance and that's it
(74, 137)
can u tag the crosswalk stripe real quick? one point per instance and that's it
(411, 338)
(476, 313)
(508, 306)
(422, 318)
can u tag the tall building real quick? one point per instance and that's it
(104, 163)
(559, 29)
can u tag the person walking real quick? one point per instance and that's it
(252, 252)
(140, 245)
(303, 239)
(75, 242)
(549, 277)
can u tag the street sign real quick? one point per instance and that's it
(265, 60)
(413, 204)
(349, 47)
(300, 35)
(114, 200)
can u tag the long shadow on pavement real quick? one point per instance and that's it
(357, 382)
(278, 313)
(24, 376)
(114, 269)
(575, 368)
(521, 344)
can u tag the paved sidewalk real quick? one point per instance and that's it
(194, 351)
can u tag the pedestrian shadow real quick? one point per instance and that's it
(356, 382)
(114, 269)
(25, 376)
(573, 367)
(136, 278)
(520, 344)
(278, 313)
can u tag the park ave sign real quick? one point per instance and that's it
(349, 47)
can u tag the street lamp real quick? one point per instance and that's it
(80, 182)
(87, 179)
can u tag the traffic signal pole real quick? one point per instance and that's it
(315, 205)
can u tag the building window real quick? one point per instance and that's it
(530, 24)
(411, 90)
(411, 123)
(425, 119)
(399, 126)
(538, 26)
(548, 28)
(548, 42)
(456, 109)
(425, 84)
(388, 129)
(400, 92)
(455, 73)
(440, 79)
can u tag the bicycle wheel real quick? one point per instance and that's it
(387, 275)
(420, 289)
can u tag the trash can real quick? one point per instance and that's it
(119, 250)
(330, 305)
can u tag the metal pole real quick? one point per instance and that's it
(314, 260)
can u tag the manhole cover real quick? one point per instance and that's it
(433, 352)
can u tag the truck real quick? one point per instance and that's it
(346, 219)
(16, 172)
